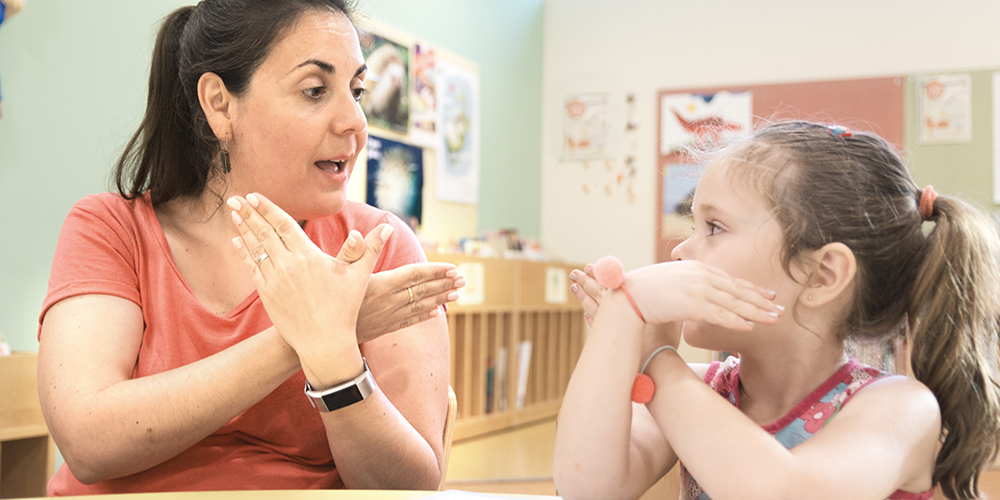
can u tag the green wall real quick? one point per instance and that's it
(963, 170)
(74, 78)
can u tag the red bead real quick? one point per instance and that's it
(643, 389)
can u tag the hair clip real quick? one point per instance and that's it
(839, 131)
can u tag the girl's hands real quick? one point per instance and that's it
(311, 297)
(689, 290)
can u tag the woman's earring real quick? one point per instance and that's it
(224, 156)
(809, 297)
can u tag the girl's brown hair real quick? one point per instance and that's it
(174, 151)
(940, 288)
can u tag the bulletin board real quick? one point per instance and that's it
(873, 105)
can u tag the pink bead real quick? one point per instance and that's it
(609, 272)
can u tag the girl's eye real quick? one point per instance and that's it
(714, 229)
(315, 92)
(358, 92)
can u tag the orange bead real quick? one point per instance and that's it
(643, 389)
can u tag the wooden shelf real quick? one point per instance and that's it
(506, 303)
(27, 453)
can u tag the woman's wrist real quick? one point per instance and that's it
(327, 367)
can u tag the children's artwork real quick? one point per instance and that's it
(699, 120)
(457, 175)
(945, 108)
(679, 182)
(586, 127)
(396, 179)
(386, 100)
(996, 143)
(423, 112)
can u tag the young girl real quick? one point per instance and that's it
(806, 237)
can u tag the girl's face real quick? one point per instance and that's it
(299, 129)
(735, 232)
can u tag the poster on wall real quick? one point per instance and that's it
(386, 100)
(944, 105)
(457, 174)
(679, 183)
(700, 120)
(996, 140)
(396, 179)
(585, 125)
(423, 112)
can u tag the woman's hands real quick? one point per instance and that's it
(388, 306)
(311, 297)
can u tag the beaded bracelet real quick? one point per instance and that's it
(610, 273)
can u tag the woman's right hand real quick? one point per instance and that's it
(690, 290)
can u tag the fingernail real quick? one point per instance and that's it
(233, 203)
(453, 296)
(749, 323)
(237, 219)
(435, 312)
(773, 314)
(252, 198)
(451, 273)
(461, 283)
(238, 242)
(771, 293)
(780, 308)
(574, 287)
(351, 242)
(586, 316)
(386, 231)
(572, 276)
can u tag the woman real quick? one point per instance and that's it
(170, 361)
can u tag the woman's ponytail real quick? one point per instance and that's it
(953, 314)
(165, 132)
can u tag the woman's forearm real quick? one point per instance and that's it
(132, 425)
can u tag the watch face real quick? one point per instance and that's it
(344, 397)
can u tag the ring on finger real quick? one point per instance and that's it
(263, 255)
(409, 290)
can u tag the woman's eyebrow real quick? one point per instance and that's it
(322, 65)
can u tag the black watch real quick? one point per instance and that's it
(345, 394)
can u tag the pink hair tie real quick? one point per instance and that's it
(610, 273)
(927, 198)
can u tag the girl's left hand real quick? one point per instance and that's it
(311, 297)
(587, 291)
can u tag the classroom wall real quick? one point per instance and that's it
(642, 46)
(74, 81)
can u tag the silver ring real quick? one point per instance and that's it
(263, 255)
(410, 290)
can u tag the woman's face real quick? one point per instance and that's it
(299, 129)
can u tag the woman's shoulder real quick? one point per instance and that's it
(111, 205)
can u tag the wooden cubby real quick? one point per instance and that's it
(514, 307)
(27, 453)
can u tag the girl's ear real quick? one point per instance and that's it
(835, 270)
(215, 102)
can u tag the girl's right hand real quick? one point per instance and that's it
(689, 290)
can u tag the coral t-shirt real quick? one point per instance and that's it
(113, 246)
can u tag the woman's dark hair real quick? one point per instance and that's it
(174, 151)
(940, 288)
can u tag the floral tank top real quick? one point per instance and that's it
(803, 421)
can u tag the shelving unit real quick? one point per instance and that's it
(515, 306)
(27, 453)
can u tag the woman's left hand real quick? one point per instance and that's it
(312, 298)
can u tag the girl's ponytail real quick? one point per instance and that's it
(953, 314)
(164, 134)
